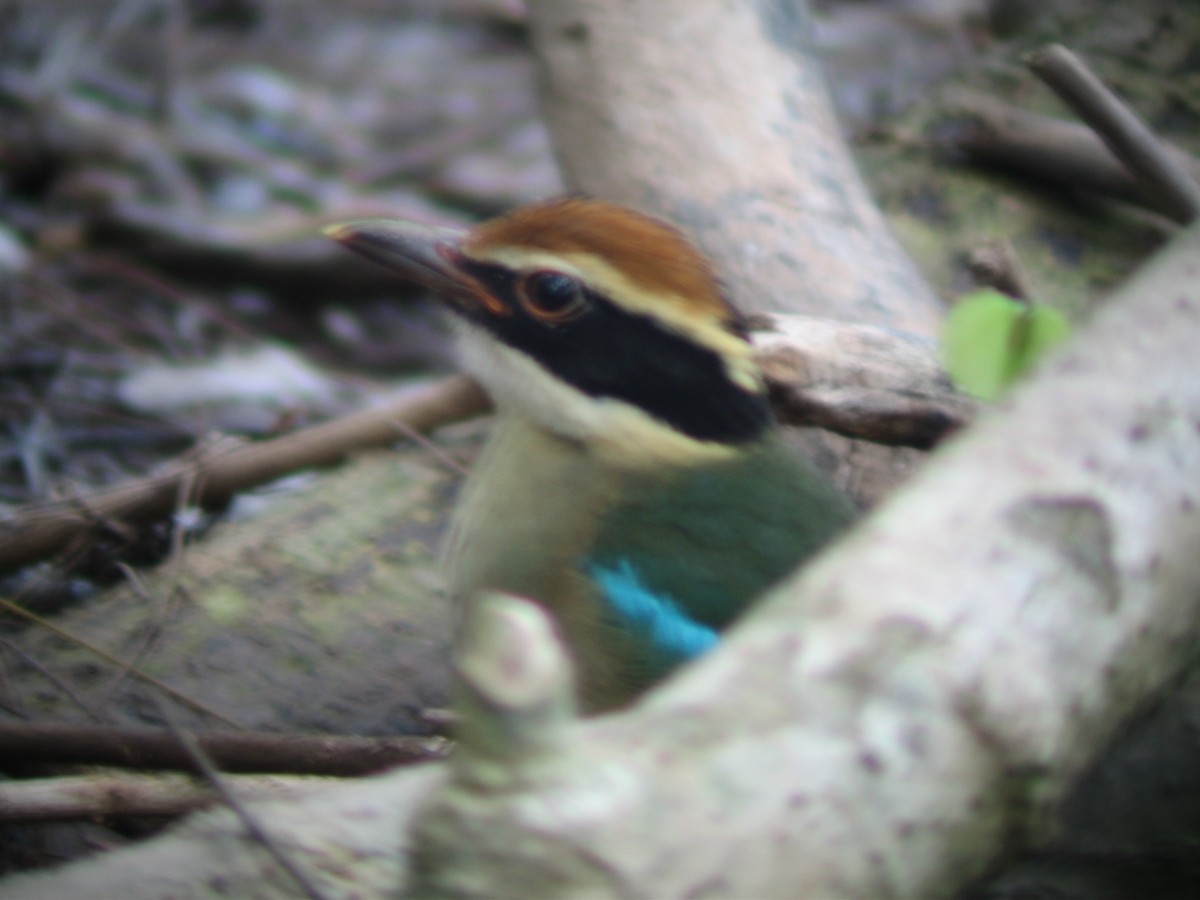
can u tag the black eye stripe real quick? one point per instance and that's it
(612, 352)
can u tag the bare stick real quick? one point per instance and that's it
(1120, 127)
(1067, 154)
(240, 751)
(107, 794)
(12, 700)
(38, 531)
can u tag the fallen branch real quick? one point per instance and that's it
(1120, 128)
(234, 751)
(905, 709)
(859, 381)
(353, 836)
(1065, 154)
(122, 794)
(217, 473)
(285, 255)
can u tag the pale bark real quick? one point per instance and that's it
(908, 707)
(715, 115)
(103, 794)
(351, 839)
(884, 725)
(860, 381)
(916, 701)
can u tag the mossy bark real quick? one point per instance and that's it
(324, 612)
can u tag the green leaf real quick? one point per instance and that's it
(990, 340)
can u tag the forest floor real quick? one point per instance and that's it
(165, 170)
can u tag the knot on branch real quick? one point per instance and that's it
(516, 688)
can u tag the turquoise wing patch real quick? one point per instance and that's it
(657, 617)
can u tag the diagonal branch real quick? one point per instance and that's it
(900, 713)
(216, 473)
(1121, 128)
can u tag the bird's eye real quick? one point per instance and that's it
(552, 296)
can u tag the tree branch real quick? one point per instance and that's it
(217, 472)
(1119, 127)
(859, 381)
(113, 794)
(231, 751)
(715, 115)
(886, 723)
(917, 700)
(1065, 154)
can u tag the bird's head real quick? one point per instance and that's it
(598, 323)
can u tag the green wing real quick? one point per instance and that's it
(715, 538)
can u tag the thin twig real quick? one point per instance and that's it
(175, 575)
(12, 700)
(116, 661)
(107, 794)
(233, 751)
(193, 749)
(156, 625)
(67, 690)
(438, 453)
(34, 532)
(1119, 127)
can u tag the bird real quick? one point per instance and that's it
(636, 484)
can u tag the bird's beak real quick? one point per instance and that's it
(424, 254)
